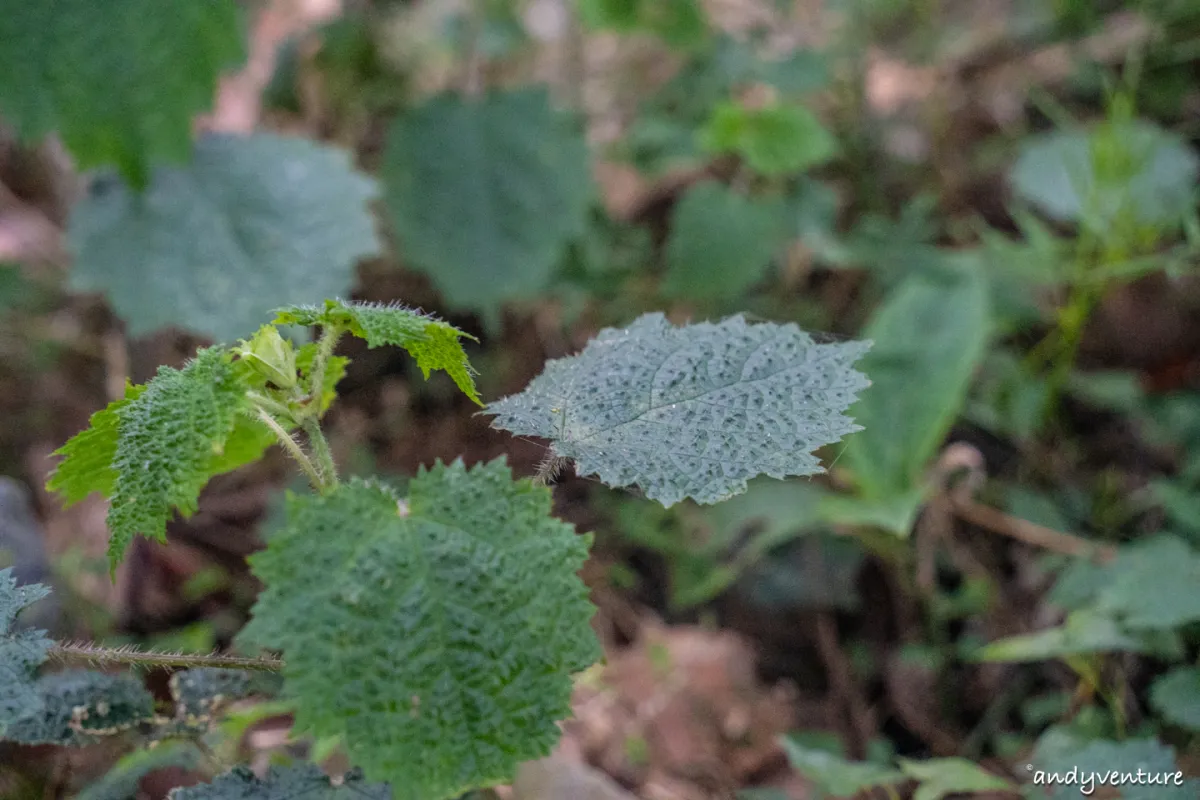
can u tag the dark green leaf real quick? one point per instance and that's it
(302, 782)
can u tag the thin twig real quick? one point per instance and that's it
(1022, 530)
(131, 656)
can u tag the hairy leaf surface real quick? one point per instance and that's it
(79, 706)
(301, 782)
(485, 193)
(168, 438)
(437, 635)
(433, 343)
(120, 81)
(250, 224)
(721, 243)
(88, 456)
(694, 411)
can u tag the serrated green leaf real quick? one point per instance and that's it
(21, 652)
(80, 706)
(773, 140)
(87, 456)
(169, 437)
(250, 224)
(944, 776)
(197, 692)
(433, 343)
(721, 243)
(836, 775)
(930, 336)
(437, 635)
(1154, 584)
(119, 81)
(301, 782)
(1066, 176)
(694, 411)
(1176, 696)
(486, 193)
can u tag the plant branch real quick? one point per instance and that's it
(325, 465)
(96, 655)
(1028, 532)
(316, 376)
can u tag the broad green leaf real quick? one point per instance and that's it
(301, 782)
(251, 223)
(1065, 766)
(929, 335)
(436, 634)
(87, 457)
(940, 777)
(721, 243)
(485, 193)
(168, 440)
(198, 691)
(773, 140)
(836, 775)
(1154, 584)
(1069, 175)
(119, 81)
(433, 343)
(21, 652)
(1176, 696)
(694, 411)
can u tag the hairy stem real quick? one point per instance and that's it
(293, 448)
(130, 656)
(316, 376)
(323, 456)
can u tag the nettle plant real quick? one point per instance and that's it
(434, 635)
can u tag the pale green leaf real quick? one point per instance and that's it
(773, 140)
(250, 224)
(301, 782)
(1154, 584)
(693, 411)
(1085, 631)
(119, 81)
(437, 635)
(433, 343)
(929, 335)
(940, 777)
(721, 243)
(485, 193)
(87, 456)
(1151, 175)
(1176, 696)
(168, 438)
(834, 774)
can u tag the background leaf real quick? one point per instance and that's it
(252, 223)
(486, 193)
(930, 335)
(121, 81)
(773, 140)
(721, 242)
(437, 636)
(1176, 695)
(694, 411)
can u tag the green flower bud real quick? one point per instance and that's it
(271, 356)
